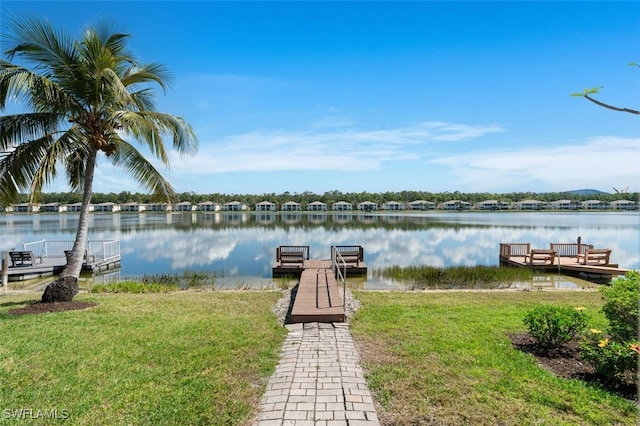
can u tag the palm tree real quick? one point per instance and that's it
(87, 99)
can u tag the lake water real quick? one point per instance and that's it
(240, 247)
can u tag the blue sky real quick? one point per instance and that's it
(385, 96)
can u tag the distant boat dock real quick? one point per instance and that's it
(45, 258)
(578, 259)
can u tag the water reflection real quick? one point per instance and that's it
(242, 244)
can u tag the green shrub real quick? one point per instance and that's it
(614, 354)
(552, 326)
(609, 358)
(621, 306)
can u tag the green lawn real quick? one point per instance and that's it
(174, 359)
(445, 358)
(439, 358)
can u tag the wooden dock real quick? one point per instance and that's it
(565, 260)
(292, 261)
(318, 297)
(50, 266)
(46, 258)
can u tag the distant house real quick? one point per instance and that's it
(623, 205)
(565, 205)
(454, 205)
(491, 205)
(133, 207)
(184, 206)
(26, 208)
(393, 205)
(159, 207)
(317, 206)
(234, 206)
(421, 205)
(208, 206)
(265, 206)
(291, 206)
(54, 208)
(529, 205)
(342, 206)
(76, 207)
(368, 206)
(594, 205)
(107, 207)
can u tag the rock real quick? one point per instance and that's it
(62, 289)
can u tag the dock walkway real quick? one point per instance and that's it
(318, 297)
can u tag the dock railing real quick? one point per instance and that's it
(508, 250)
(104, 250)
(569, 249)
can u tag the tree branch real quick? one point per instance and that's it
(629, 110)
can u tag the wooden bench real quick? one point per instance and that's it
(540, 255)
(350, 254)
(595, 255)
(23, 258)
(292, 255)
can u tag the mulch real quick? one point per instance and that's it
(566, 362)
(43, 308)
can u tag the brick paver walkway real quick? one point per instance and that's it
(318, 381)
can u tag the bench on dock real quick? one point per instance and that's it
(595, 255)
(87, 257)
(540, 255)
(292, 255)
(352, 255)
(23, 258)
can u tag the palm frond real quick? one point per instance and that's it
(142, 171)
(34, 90)
(23, 128)
(38, 42)
(76, 159)
(153, 72)
(20, 168)
(185, 140)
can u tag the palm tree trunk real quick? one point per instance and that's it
(65, 287)
(76, 259)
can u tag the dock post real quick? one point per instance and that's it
(5, 270)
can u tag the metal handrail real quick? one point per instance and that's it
(335, 254)
(105, 249)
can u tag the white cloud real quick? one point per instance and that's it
(336, 148)
(598, 163)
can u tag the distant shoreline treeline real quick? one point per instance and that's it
(335, 196)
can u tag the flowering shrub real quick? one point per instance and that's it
(614, 354)
(609, 358)
(552, 326)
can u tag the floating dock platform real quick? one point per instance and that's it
(50, 266)
(566, 258)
